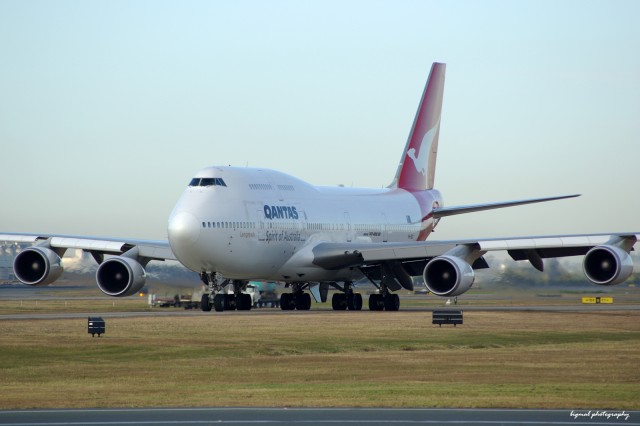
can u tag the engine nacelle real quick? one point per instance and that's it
(607, 265)
(120, 276)
(37, 266)
(448, 276)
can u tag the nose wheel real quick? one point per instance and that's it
(220, 301)
(205, 303)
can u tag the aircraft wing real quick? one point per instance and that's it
(607, 259)
(120, 275)
(341, 255)
(148, 249)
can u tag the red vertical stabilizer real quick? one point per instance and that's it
(418, 163)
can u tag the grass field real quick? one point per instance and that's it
(73, 305)
(326, 359)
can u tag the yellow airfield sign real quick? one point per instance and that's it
(595, 300)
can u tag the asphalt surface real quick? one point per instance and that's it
(310, 416)
(165, 312)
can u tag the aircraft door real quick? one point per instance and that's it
(261, 231)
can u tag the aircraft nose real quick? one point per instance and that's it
(183, 230)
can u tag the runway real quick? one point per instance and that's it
(312, 416)
(170, 312)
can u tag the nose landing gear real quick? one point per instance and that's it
(220, 301)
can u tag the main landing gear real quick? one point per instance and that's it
(384, 302)
(217, 299)
(347, 299)
(377, 302)
(297, 299)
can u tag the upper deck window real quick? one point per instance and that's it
(286, 188)
(207, 182)
(261, 186)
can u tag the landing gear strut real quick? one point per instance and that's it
(384, 300)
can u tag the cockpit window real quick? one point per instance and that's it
(207, 182)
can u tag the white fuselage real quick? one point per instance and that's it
(261, 224)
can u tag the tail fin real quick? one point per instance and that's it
(417, 166)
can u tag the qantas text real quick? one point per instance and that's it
(280, 212)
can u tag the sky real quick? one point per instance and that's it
(107, 109)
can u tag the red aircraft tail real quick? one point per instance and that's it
(417, 166)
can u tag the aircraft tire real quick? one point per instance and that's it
(240, 302)
(219, 302)
(339, 302)
(205, 304)
(351, 302)
(376, 302)
(357, 302)
(303, 301)
(392, 302)
(286, 302)
(243, 302)
(354, 301)
(230, 302)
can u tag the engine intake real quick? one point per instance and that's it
(607, 265)
(37, 266)
(448, 276)
(120, 276)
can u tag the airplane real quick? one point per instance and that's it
(236, 224)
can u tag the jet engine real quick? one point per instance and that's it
(448, 276)
(37, 266)
(120, 276)
(607, 265)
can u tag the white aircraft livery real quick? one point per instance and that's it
(235, 224)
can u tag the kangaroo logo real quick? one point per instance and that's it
(420, 162)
